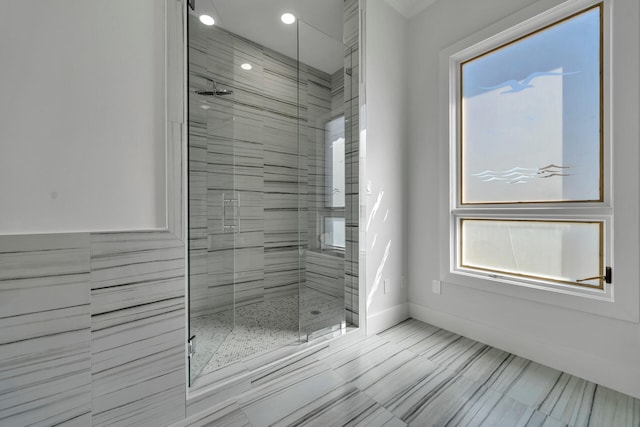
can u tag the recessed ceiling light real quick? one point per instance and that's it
(288, 18)
(246, 66)
(207, 20)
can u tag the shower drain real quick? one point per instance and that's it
(315, 312)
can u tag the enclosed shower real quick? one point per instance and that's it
(272, 189)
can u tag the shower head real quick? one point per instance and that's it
(215, 91)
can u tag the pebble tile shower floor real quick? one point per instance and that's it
(260, 327)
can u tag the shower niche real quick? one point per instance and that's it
(272, 192)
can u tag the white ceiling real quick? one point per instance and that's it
(320, 25)
(410, 8)
(259, 20)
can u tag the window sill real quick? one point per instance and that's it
(593, 301)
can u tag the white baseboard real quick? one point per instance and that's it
(385, 319)
(625, 379)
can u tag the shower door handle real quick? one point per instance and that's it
(230, 225)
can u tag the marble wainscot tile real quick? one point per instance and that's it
(137, 329)
(45, 367)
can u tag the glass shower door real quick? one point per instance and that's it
(243, 198)
(214, 206)
(214, 221)
(268, 193)
(325, 67)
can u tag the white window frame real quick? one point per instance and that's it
(622, 240)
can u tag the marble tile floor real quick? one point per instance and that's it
(223, 339)
(419, 375)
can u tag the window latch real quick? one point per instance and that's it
(607, 276)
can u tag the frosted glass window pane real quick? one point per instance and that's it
(334, 232)
(559, 251)
(334, 163)
(531, 117)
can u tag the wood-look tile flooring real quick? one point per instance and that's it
(419, 375)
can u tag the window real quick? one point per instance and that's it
(560, 251)
(334, 163)
(333, 220)
(530, 202)
(334, 233)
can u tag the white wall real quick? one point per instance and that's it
(386, 141)
(598, 348)
(82, 137)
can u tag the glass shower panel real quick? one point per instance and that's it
(322, 134)
(214, 203)
(243, 198)
(269, 177)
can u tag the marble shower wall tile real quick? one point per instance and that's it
(352, 218)
(351, 26)
(322, 88)
(285, 173)
(325, 273)
(137, 328)
(251, 145)
(275, 120)
(45, 366)
(248, 150)
(351, 39)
